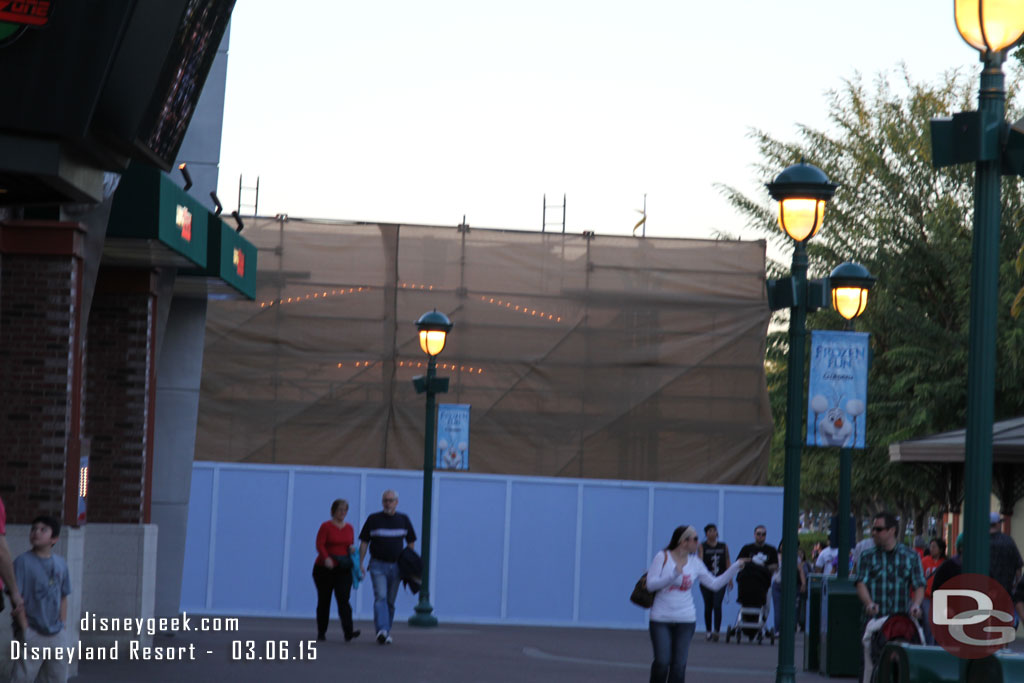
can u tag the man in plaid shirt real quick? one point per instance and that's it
(887, 573)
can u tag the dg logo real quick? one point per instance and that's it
(972, 616)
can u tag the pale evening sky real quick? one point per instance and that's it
(419, 112)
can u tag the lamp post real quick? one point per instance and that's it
(850, 284)
(433, 332)
(982, 137)
(802, 191)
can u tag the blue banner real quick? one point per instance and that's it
(453, 436)
(837, 390)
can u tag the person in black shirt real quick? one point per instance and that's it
(1004, 559)
(385, 532)
(761, 553)
(716, 558)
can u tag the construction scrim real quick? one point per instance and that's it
(581, 355)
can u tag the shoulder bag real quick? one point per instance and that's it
(642, 597)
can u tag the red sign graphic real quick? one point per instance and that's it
(238, 259)
(972, 616)
(183, 219)
(25, 12)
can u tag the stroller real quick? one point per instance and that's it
(896, 628)
(752, 586)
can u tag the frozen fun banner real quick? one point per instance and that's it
(452, 436)
(837, 389)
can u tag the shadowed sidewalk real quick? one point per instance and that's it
(452, 653)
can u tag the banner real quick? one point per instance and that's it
(453, 436)
(837, 389)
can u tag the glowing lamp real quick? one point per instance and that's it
(989, 25)
(850, 284)
(433, 328)
(802, 191)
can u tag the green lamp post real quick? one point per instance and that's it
(849, 284)
(982, 137)
(802, 190)
(433, 332)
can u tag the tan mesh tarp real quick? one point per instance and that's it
(606, 357)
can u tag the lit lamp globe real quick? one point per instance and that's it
(433, 328)
(989, 25)
(802, 190)
(850, 284)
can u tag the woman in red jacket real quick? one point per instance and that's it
(332, 571)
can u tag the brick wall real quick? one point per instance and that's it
(119, 391)
(39, 352)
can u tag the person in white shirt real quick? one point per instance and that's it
(826, 561)
(673, 574)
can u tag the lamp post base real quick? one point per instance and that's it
(423, 617)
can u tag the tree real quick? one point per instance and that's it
(910, 225)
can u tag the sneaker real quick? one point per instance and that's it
(354, 634)
(707, 636)
(387, 640)
(382, 636)
(715, 636)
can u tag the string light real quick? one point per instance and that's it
(315, 296)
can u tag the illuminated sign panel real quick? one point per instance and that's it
(149, 206)
(231, 257)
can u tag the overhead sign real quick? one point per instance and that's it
(837, 389)
(17, 16)
(231, 257)
(149, 206)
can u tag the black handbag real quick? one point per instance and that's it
(641, 597)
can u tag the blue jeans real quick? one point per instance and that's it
(671, 642)
(385, 578)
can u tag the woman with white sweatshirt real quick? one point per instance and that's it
(673, 574)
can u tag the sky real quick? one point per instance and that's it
(424, 112)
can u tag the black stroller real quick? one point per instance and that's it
(897, 628)
(752, 586)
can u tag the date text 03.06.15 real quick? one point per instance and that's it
(272, 650)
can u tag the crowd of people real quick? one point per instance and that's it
(891, 578)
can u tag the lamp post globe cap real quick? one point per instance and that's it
(801, 180)
(434, 320)
(851, 275)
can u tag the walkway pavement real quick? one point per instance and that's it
(456, 653)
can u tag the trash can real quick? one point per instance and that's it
(903, 663)
(812, 621)
(998, 668)
(840, 628)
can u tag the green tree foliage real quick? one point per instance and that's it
(910, 225)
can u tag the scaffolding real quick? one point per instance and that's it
(581, 355)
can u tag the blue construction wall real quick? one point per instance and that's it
(512, 550)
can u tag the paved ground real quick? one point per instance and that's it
(449, 654)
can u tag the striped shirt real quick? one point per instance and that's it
(387, 535)
(889, 577)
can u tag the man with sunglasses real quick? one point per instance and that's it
(760, 552)
(886, 575)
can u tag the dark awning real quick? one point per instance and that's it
(1007, 445)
